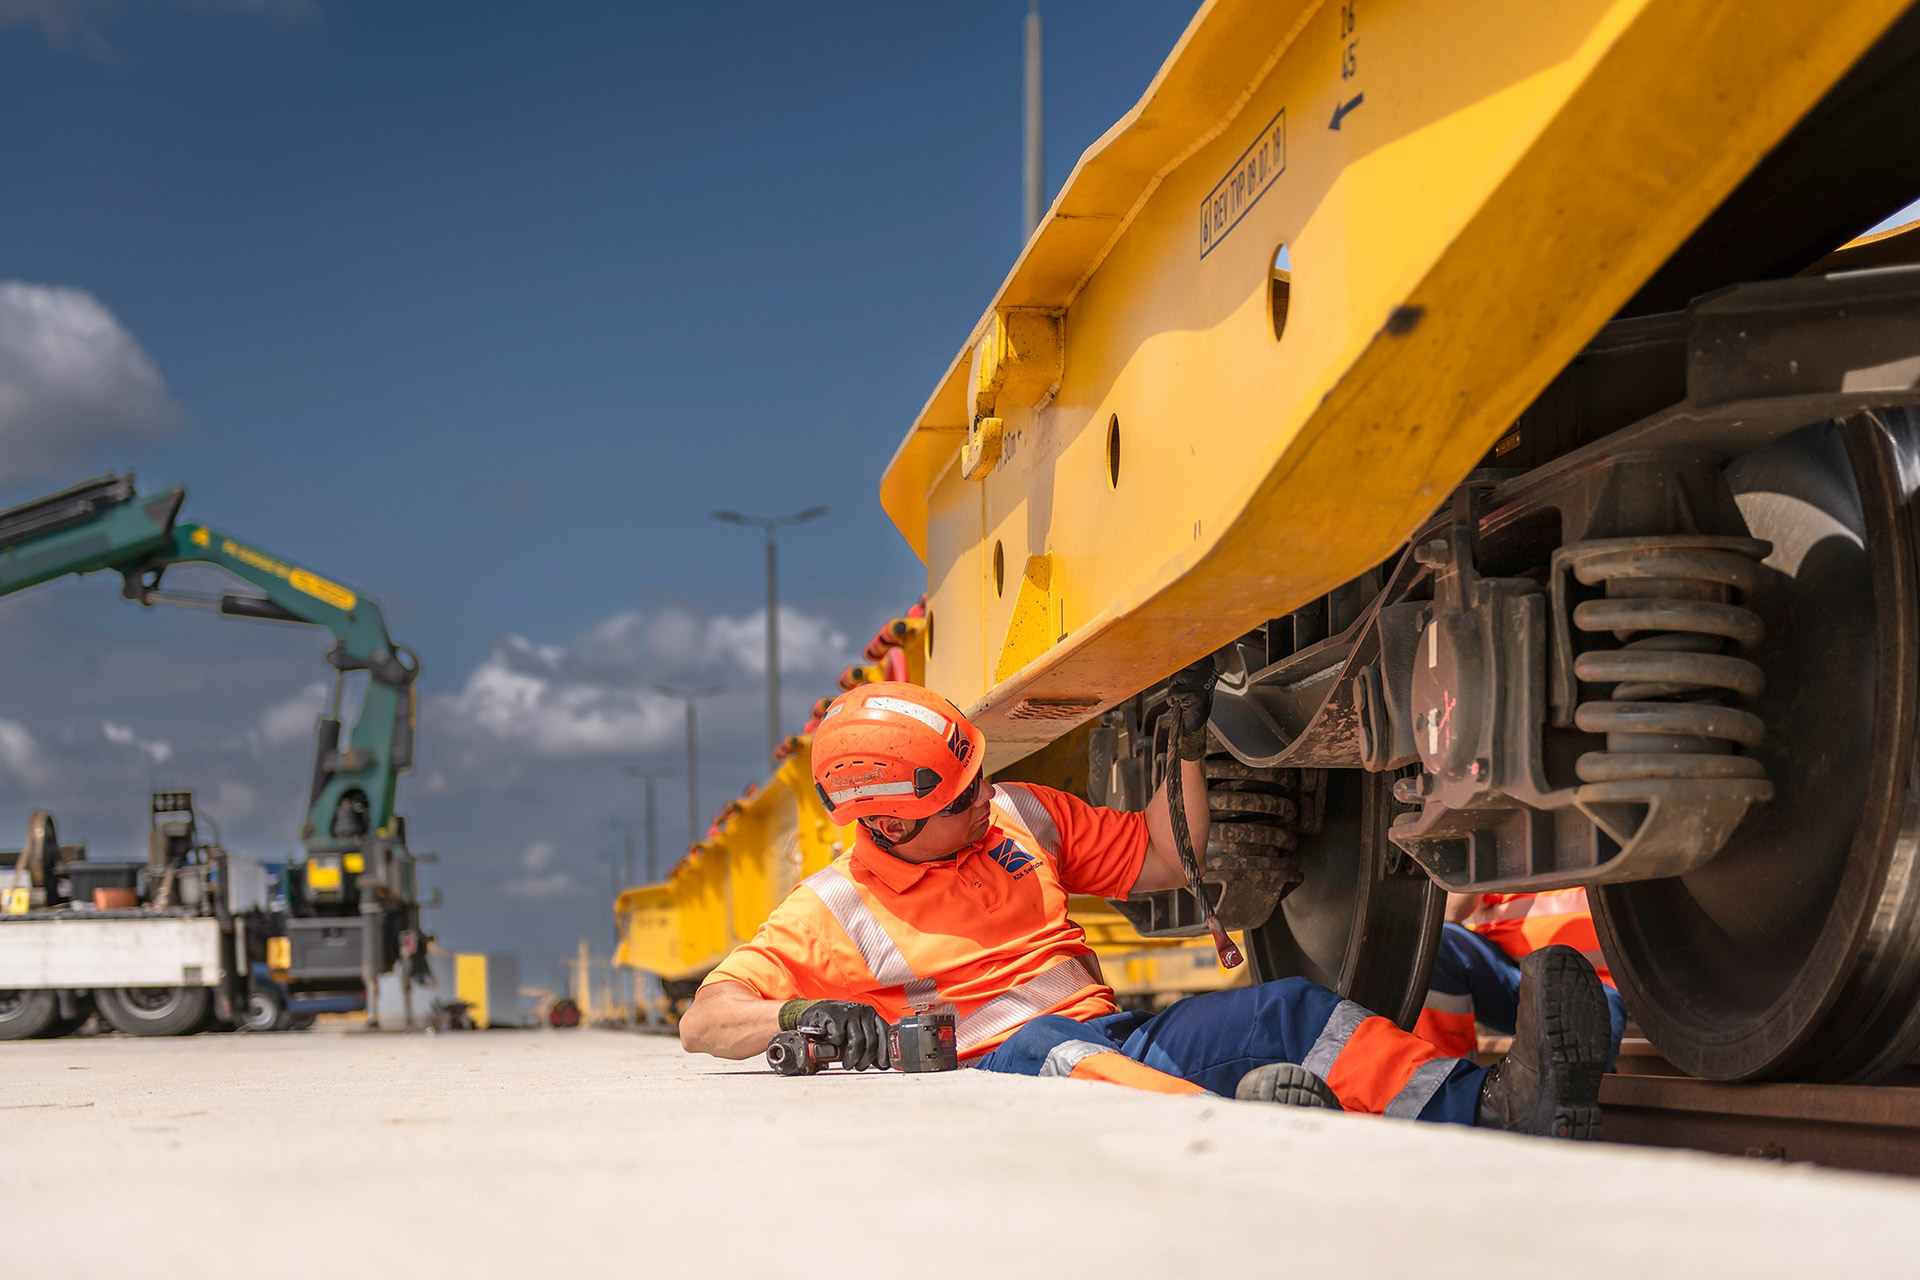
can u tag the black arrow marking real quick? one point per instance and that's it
(1340, 112)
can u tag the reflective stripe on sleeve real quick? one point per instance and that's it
(889, 967)
(1447, 1002)
(1333, 1037)
(1419, 1089)
(1069, 1054)
(1029, 1000)
(1026, 809)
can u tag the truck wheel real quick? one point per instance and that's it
(155, 1011)
(83, 1009)
(264, 1012)
(25, 1015)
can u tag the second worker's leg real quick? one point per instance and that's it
(1216, 1039)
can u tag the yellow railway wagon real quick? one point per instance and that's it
(1493, 390)
(762, 846)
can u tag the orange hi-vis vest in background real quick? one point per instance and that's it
(1522, 923)
(983, 934)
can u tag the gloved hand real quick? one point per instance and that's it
(856, 1029)
(1191, 690)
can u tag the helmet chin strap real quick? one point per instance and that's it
(890, 845)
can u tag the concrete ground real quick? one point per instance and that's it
(544, 1153)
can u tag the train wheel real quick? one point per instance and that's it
(1366, 920)
(1795, 953)
(155, 1011)
(27, 1015)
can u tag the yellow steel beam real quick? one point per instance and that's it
(1465, 194)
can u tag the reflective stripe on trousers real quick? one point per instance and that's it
(1095, 1060)
(1051, 986)
(1372, 1066)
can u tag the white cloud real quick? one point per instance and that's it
(541, 881)
(72, 379)
(292, 720)
(21, 754)
(69, 23)
(158, 750)
(806, 644)
(232, 802)
(551, 715)
(595, 696)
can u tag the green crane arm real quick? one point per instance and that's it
(104, 524)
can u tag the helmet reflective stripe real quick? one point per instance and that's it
(872, 789)
(930, 718)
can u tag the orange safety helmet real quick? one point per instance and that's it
(892, 749)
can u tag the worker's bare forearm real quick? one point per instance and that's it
(1162, 869)
(728, 1021)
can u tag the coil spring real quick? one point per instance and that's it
(1670, 602)
(1252, 811)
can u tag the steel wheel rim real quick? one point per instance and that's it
(151, 1003)
(1796, 952)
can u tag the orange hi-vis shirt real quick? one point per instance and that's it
(983, 935)
(1522, 923)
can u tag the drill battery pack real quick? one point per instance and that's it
(924, 1042)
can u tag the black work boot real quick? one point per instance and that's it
(1289, 1084)
(1549, 1082)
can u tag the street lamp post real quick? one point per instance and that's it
(651, 775)
(770, 524)
(690, 697)
(626, 828)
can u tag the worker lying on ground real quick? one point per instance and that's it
(954, 897)
(1476, 975)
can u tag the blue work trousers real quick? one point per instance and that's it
(1214, 1039)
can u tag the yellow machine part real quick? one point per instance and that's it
(470, 985)
(720, 893)
(1284, 305)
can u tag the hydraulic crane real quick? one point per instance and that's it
(351, 907)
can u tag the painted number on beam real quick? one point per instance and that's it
(1264, 160)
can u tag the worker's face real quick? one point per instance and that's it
(945, 833)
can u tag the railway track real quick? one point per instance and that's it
(1873, 1128)
(1648, 1102)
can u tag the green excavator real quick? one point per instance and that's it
(197, 934)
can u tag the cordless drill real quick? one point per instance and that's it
(918, 1042)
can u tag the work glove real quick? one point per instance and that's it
(1191, 690)
(856, 1029)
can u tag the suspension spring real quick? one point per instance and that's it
(1672, 604)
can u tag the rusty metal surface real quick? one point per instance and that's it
(1873, 1128)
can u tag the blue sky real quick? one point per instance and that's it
(482, 308)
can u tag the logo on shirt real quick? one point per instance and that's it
(1016, 860)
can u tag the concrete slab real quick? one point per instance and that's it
(541, 1152)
